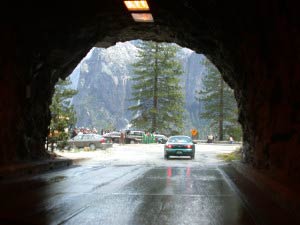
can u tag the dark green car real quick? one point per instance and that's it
(179, 146)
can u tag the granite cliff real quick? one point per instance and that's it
(103, 81)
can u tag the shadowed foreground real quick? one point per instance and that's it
(124, 195)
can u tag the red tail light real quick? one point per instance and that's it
(189, 146)
(169, 146)
(102, 140)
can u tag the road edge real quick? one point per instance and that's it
(22, 169)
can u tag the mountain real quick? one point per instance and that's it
(104, 86)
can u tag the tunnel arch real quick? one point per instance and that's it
(253, 44)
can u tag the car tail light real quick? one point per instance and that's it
(169, 146)
(102, 140)
(189, 146)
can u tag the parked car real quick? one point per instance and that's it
(133, 136)
(179, 146)
(160, 138)
(93, 141)
(114, 136)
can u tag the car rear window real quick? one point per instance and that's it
(180, 139)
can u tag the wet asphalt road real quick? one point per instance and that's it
(107, 193)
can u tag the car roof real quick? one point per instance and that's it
(88, 135)
(180, 136)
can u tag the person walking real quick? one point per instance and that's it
(231, 140)
(144, 138)
(152, 138)
(148, 138)
(122, 138)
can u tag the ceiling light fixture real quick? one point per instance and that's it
(140, 10)
(137, 5)
(142, 17)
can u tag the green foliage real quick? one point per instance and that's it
(157, 95)
(220, 107)
(62, 112)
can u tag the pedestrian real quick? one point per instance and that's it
(122, 138)
(210, 138)
(148, 138)
(74, 132)
(144, 138)
(152, 138)
(231, 140)
(95, 131)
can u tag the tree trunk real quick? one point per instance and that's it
(155, 93)
(221, 109)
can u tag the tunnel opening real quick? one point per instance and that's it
(98, 96)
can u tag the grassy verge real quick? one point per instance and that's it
(228, 157)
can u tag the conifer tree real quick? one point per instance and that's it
(157, 96)
(62, 112)
(220, 107)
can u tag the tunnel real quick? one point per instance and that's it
(255, 45)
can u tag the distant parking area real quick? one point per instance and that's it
(151, 154)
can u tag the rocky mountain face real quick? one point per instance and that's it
(103, 81)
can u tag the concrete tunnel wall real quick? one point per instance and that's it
(254, 44)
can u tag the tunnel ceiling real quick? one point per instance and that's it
(254, 44)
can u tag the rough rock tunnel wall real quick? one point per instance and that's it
(254, 44)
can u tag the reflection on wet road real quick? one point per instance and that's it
(132, 194)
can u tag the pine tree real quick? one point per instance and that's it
(220, 106)
(62, 112)
(157, 95)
